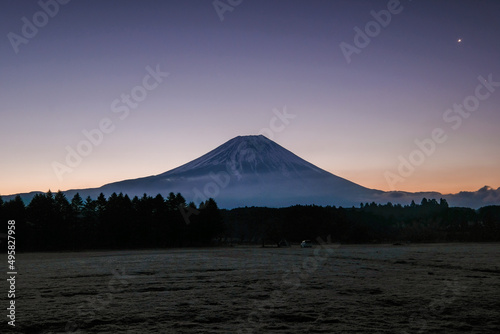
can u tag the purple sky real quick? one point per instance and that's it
(231, 77)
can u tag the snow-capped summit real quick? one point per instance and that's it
(248, 154)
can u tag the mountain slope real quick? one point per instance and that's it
(248, 171)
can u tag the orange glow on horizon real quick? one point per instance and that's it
(444, 182)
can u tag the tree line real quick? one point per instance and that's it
(429, 221)
(51, 222)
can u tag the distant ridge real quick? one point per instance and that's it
(256, 171)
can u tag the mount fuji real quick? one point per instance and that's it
(250, 171)
(255, 171)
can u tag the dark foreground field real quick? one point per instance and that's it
(439, 288)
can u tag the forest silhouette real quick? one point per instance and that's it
(51, 222)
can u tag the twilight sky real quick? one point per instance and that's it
(351, 103)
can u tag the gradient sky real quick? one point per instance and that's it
(226, 77)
